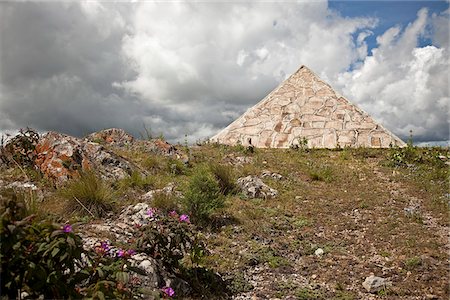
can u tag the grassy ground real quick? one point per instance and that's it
(350, 203)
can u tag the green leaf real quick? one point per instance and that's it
(55, 251)
(123, 277)
(137, 270)
(100, 272)
(55, 233)
(100, 295)
(71, 241)
(63, 257)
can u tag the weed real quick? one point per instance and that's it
(385, 254)
(238, 284)
(89, 193)
(322, 173)
(152, 163)
(165, 201)
(136, 180)
(176, 167)
(343, 295)
(307, 294)
(301, 222)
(271, 257)
(224, 177)
(413, 262)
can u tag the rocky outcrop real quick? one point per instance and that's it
(254, 187)
(112, 136)
(119, 138)
(60, 157)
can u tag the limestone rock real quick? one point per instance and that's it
(60, 157)
(374, 284)
(306, 111)
(319, 252)
(254, 187)
(113, 136)
(268, 174)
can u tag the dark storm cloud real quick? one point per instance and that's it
(192, 68)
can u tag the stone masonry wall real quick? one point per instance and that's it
(306, 107)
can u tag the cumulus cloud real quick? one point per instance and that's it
(403, 86)
(192, 68)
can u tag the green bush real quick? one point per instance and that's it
(170, 238)
(224, 176)
(203, 195)
(37, 257)
(89, 194)
(44, 259)
(410, 155)
(20, 150)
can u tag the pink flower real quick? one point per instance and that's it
(168, 291)
(121, 253)
(185, 218)
(125, 253)
(67, 228)
(151, 212)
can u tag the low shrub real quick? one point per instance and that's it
(89, 194)
(20, 150)
(203, 196)
(42, 259)
(170, 238)
(37, 257)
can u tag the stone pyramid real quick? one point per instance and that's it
(305, 108)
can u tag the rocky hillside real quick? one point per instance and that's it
(147, 219)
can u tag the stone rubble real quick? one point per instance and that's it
(373, 284)
(254, 187)
(268, 174)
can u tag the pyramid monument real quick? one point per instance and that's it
(305, 109)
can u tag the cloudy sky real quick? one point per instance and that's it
(193, 67)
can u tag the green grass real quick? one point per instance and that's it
(89, 195)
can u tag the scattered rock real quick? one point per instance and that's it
(22, 186)
(319, 252)
(168, 190)
(238, 160)
(254, 187)
(413, 209)
(374, 284)
(268, 174)
(443, 157)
